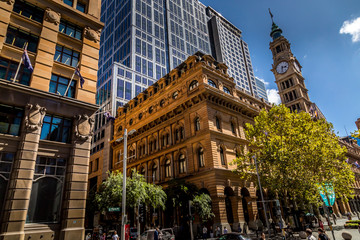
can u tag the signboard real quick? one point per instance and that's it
(127, 231)
(114, 209)
(327, 193)
(142, 213)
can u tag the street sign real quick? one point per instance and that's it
(114, 209)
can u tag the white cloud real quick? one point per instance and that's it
(352, 27)
(273, 96)
(262, 80)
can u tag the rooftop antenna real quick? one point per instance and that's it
(346, 131)
(272, 16)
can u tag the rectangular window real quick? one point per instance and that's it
(158, 72)
(138, 46)
(28, 10)
(56, 128)
(70, 29)
(69, 2)
(10, 119)
(144, 67)
(127, 91)
(138, 64)
(137, 89)
(66, 56)
(120, 88)
(59, 85)
(18, 38)
(150, 69)
(8, 69)
(80, 6)
(150, 51)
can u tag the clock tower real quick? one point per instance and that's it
(287, 71)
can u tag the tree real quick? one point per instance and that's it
(137, 191)
(202, 203)
(295, 156)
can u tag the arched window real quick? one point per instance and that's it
(197, 124)
(217, 123)
(201, 157)
(167, 168)
(182, 163)
(167, 139)
(182, 133)
(177, 135)
(164, 140)
(154, 145)
(211, 83)
(233, 128)
(226, 90)
(222, 158)
(150, 146)
(154, 172)
(193, 85)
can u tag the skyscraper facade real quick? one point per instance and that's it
(261, 89)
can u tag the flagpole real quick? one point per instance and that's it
(72, 77)
(21, 59)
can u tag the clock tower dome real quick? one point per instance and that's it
(287, 71)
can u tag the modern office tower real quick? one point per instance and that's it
(261, 89)
(45, 134)
(228, 47)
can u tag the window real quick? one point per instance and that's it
(80, 6)
(47, 189)
(175, 95)
(6, 161)
(182, 164)
(177, 135)
(182, 133)
(66, 56)
(70, 29)
(197, 124)
(56, 128)
(162, 103)
(69, 2)
(167, 168)
(18, 38)
(97, 164)
(10, 119)
(217, 123)
(222, 159)
(201, 157)
(226, 90)
(193, 85)
(211, 83)
(59, 85)
(154, 172)
(28, 10)
(8, 69)
(151, 109)
(233, 130)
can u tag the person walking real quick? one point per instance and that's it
(321, 224)
(225, 230)
(103, 236)
(322, 235)
(262, 237)
(156, 234)
(115, 236)
(204, 231)
(211, 232)
(218, 231)
(239, 228)
(245, 226)
(88, 236)
(309, 235)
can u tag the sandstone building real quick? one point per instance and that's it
(44, 135)
(190, 125)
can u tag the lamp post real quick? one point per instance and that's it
(262, 196)
(123, 215)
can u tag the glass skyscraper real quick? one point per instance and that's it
(144, 39)
(261, 89)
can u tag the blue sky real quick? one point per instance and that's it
(330, 59)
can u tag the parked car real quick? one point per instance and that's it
(232, 236)
(133, 233)
(168, 234)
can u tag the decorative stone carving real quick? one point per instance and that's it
(10, 2)
(52, 16)
(92, 35)
(83, 127)
(34, 116)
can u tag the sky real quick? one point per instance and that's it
(324, 37)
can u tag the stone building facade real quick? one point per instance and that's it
(45, 136)
(190, 125)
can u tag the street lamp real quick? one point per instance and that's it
(123, 218)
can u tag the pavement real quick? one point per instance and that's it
(338, 230)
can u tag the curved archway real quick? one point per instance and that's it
(228, 205)
(245, 196)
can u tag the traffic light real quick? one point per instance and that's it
(330, 210)
(321, 211)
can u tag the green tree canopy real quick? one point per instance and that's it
(202, 203)
(137, 191)
(295, 155)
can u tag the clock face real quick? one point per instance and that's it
(282, 67)
(297, 67)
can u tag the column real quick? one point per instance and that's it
(73, 212)
(21, 179)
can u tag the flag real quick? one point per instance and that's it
(77, 72)
(357, 164)
(108, 116)
(26, 60)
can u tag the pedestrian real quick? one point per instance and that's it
(262, 237)
(204, 231)
(211, 232)
(103, 236)
(156, 234)
(239, 228)
(309, 235)
(88, 236)
(115, 236)
(322, 235)
(245, 226)
(218, 231)
(321, 224)
(225, 230)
